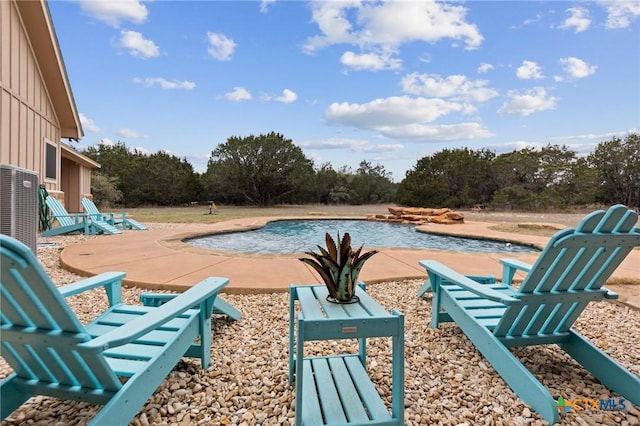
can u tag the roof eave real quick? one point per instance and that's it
(70, 153)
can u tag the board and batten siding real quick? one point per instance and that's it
(27, 115)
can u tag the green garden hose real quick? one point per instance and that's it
(44, 212)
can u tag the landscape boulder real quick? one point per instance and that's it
(419, 216)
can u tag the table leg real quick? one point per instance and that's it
(292, 300)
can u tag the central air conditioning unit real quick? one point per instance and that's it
(19, 204)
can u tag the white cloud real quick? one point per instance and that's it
(381, 147)
(354, 145)
(392, 111)
(437, 133)
(597, 137)
(529, 70)
(287, 97)
(370, 61)
(484, 68)
(335, 143)
(333, 24)
(529, 21)
(577, 68)
(425, 57)
(138, 45)
(238, 94)
(125, 132)
(457, 87)
(390, 24)
(578, 19)
(539, 16)
(220, 46)
(406, 117)
(113, 12)
(88, 124)
(534, 100)
(165, 84)
(620, 12)
(265, 4)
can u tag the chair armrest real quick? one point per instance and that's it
(510, 267)
(438, 272)
(98, 216)
(203, 292)
(156, 299)
(111, 216)
(78, 217)
(111, 281)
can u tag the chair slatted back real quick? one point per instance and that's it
(570, 273)
(40, 333)
(59, 212)
(90, 207)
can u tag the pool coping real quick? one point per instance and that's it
(178, 242)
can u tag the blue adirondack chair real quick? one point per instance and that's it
(568, 274)
(115, 219)
(69, 224)
(118, 360)
(220, 306)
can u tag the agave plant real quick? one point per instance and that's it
(339, 266)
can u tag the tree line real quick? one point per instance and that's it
(270, 169)
(552, 177)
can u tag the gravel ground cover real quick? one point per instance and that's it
(447, 381)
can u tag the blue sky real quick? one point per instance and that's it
(388, 82)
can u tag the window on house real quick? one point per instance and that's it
(51, 161)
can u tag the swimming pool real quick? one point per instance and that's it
(297, 236)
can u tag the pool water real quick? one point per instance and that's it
(297, 236)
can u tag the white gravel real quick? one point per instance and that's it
(447, 381)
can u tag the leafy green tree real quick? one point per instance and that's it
(371, 184)
(326, 181)
(156, 179)
(617, 164)
(553, 180)
(534, 179)
(104, 190)
(422, 185)
(554, 164)
(450, 178)
(113, 159)
(515, 175)
(582, 183)
(169, 181)
(126, 166)
(259, 170)
(270, 169)
(340, 194)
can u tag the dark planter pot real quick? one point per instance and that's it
(353, 299)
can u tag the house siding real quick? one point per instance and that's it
(27, 116)
(37, 109)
